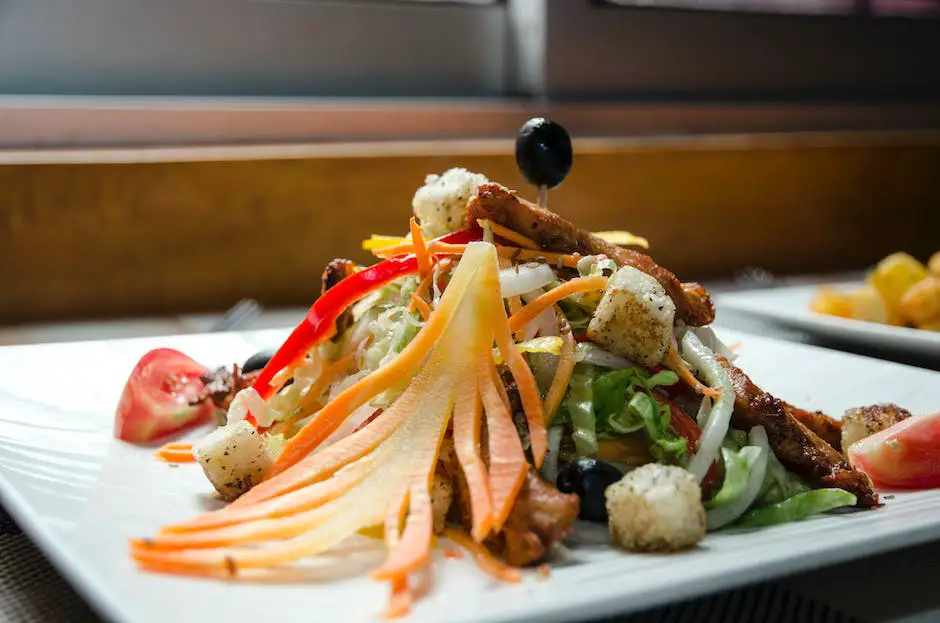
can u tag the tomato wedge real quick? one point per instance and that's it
(903, 456)
(156, 398)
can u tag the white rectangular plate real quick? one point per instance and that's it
(789, 306)
(82, 495)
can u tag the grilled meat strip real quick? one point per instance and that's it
(826, 428)
(337, 270)
(798, 448)
(540, 516)
(553, 233)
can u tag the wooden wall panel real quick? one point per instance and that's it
(128, 235)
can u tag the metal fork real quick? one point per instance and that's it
(239, 316)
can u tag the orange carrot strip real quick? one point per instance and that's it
(247, 532)
(452, 553)
(514, 253)
(423, 288)
(525, 383)
(483, 557)
(507, 466)
(468, 416)
(278, 553)
(507, 234)
(297, 501)
(421, 305)
(317, 466)
(171, 454)
(675, 363)
(543, 302)
(421, 249)
(329, 374)
(413, 550)
(394, 519)
(400, 601)
(331, 416)
(178, 446)
(563, 371)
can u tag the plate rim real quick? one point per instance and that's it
(104, 598)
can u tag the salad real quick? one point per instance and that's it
(496, 375)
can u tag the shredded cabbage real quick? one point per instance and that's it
(732, 500)
(549, 469)
(580, 407)
(589, 352)
(616, 403)
(796, 507)
(719, 418)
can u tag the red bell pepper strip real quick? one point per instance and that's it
(320, 322)
(687, 428)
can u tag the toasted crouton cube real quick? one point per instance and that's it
(234, 457)
(441, 204)
(634, 318)
(861, 422)
(656, 508)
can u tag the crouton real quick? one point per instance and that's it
(634, 318)
(234, 457)
(861, 422)
(656, 508)
(441, 204)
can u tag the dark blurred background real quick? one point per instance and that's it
(175, 156)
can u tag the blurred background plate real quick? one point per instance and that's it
(788, 306)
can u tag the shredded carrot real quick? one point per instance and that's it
(513, 253)
(421, 249)
(421, 305)
(313, 500)
(735, 347)
(507, 465)
(563, 371)
(675, 363)
(468, 418)
(543, 571)
(507, 234)
(452, 553)
(174, 453)
(543, 302)
(525, 383)
(330, 417)
(483, 557)
(399, 604)
(412, 550)
(330, 373)
(424, 286)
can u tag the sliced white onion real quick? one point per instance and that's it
(518, 280)
(710, 339)
(592, 353)
(703, 411)
(249, 400)
(759, 445)
(715, 429)
(545, 324)
(549, 468)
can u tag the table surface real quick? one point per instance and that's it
(898, 586)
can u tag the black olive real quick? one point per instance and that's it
(257, 361)
(543, 152)
(589, 478)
